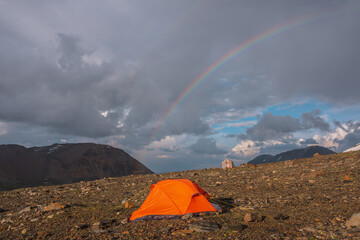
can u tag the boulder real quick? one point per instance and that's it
(354, 221)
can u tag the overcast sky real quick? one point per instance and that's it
(112, 72)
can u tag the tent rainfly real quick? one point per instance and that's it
(172, 198)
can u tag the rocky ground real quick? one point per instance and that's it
(311, 198)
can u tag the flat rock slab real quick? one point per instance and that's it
(204, 227)
(235, 227)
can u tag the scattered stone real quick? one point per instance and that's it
(6, 220)
(204, 227)
(34, 220)
(277, 236)
(309, 229)
(99, 227)
(311, 181)
(182, 232)
(166, 230)
(96, 226)
(24, 210)
(51, 216)
(354, 221)
(289, 163)
(235, 227)
(124, 221)
(281, 216)
(128, 204)
(54, 206)
(100, 231)
(353, 233)
(41, 206)
(347, 178)
(252, 217)
(187, 216)
(107, 222)
(82, 226)
(320, 173)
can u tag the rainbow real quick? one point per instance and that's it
(230, 55)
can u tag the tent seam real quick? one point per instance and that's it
(171, 199)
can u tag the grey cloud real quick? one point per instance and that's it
(273, 127)
(279, 127)
(44, 95)
(276, 148)
(206, 146)
(313, 120)
(71, 52)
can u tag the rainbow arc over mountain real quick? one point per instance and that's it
(230, 55)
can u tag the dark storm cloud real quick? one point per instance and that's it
(273, 127)
(71, 52)
(313, 120)
(277, 127)
(206, 146)
(115, 68)
(61, 99)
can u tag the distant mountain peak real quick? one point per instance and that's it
(292, 154)
(63, 163)
(354, 148)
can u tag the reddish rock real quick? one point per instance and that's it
(54, 206)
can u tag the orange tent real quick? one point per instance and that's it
(171, 198)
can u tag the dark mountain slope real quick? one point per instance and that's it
(293, 154)
(63, 163)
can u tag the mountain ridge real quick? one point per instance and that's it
(292, 154)
(63, 163)
(356, 147)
